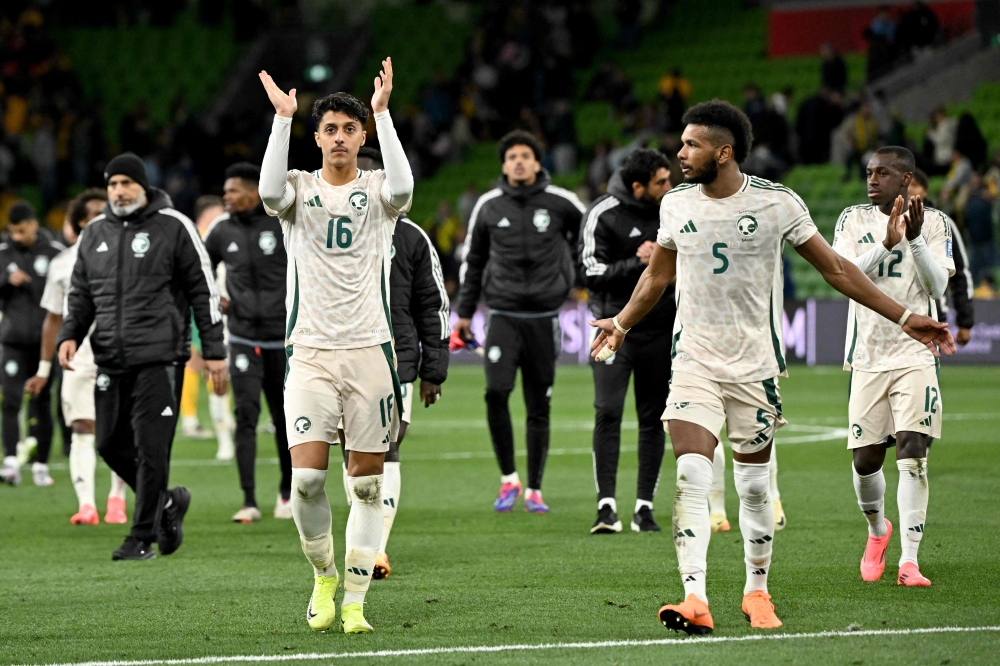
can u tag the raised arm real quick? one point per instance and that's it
(397, 190)
(933, 276)
(274, 190)
(845, 277)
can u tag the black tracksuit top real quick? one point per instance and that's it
(138, 280)
(21, 306)
(252, 247)
(519, 248)
(615, 225)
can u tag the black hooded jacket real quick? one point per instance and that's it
(138, 279)
(251, 245)
(519, 248)
(614, 227)
(418, 303)
(21, 306)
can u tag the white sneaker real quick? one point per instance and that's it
(226, 451)
(25, 449)
(248, 514)
(40, 474)
(11, 471)
(283, 509)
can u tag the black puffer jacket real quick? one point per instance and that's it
(251, 246)
(419, 306)
(138, 279)
(519, 249)
(22, 313)
(614, 227)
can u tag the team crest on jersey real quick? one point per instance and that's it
(140, 244)
(747, 225)
(302, 425)
(392, 251)
(41, 265)
(103, 382)
(856, 431)
(358, 201)
(267, 242)
(541, 219)
(242, 362)
(10, 367)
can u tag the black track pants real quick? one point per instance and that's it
(646, 357)
(531, 343)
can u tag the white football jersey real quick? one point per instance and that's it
(57, 284)
(729, 277)
(875, 344)
(338, 240)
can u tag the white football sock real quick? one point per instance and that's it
(870, 490)
(717, 496)
(609, 501)
(756, 521)
(391, 483)
(82, 463)
(118, 486)
(311, 511)
(642, 503)
(364, 534)
(773, 470)
(347, 489)
(691, 524)
(911, 499)
(510, 478)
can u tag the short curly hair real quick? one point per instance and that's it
(78, 206)
(640, 166)
(340, 102)
(519, 138)
(730, 124)
(244, 170)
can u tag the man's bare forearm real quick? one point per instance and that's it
(50, 329)
(854, 284)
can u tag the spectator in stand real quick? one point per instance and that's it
(917, 30)
(628, 13)
(863, 139)
(987, 288)
(970, 141)
(955, 190)
(781, 101)
(992, 175)
(833, 72)
(977, 217)
(598, 172)
(819, 116)
(939, 142)
(882, 51)
(674, 90)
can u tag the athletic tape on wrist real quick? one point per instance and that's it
(44, 368)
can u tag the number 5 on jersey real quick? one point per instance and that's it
(337, 229)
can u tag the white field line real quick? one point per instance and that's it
(474, 649)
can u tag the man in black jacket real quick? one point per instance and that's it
(617, 238)
(140, 271)
(519, 255)
(249, 242)
(25, 257)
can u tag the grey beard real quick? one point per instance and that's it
(125, 211)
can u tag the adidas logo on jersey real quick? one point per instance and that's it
(504, 223)
(232, 247)
(314, 202)
(867, 238)
(689, 228)
(635, 232)
(103, 247)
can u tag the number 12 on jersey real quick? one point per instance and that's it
(336, 229)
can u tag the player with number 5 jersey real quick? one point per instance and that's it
(721, 235)
(338, 223)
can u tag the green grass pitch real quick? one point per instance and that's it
(465, 576)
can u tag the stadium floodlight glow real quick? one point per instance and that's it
(318, 73)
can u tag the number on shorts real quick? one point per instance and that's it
(930, 399)
(385, 409)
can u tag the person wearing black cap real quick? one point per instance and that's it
(24, 256)
(141, 270)
(250, 244)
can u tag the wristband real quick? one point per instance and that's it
(623, 331)
(906, 315)
(44, 368)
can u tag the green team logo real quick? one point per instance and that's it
(267, 242)
(856, 430)
(140, 244)
(242, 362)
(541, 219)
(41, 265)
(10, 367)
(494, 354)
(103, 382)
(358, 201)
(747, 225)
(302, 425)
